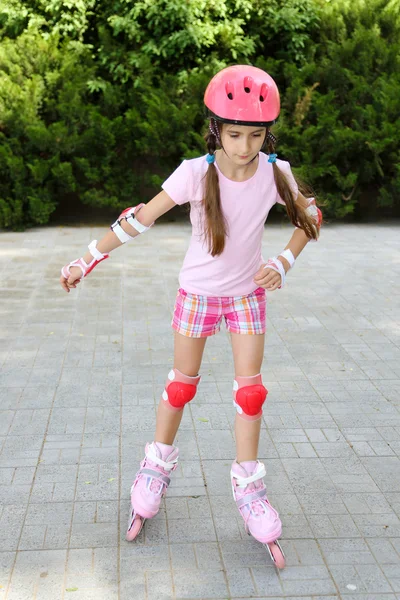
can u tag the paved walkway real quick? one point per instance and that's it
(80, 381)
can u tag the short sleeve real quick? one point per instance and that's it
(179, 183)
(284, 166)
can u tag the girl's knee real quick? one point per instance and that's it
(249, 395)
(179, 389)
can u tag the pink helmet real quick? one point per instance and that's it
(244, 95)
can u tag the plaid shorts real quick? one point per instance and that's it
(201, 316)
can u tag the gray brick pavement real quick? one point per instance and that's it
(80, 380)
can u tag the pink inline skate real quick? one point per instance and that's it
(150, 485)
(260, 519)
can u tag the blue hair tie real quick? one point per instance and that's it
(210, 158)
(272, 158)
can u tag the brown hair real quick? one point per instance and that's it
(216, 227)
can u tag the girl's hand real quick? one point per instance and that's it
(267, 278)
(73, 280)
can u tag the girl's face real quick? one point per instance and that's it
(242, 143)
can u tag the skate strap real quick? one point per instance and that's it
(156, 474)
(169, 466)
(249, 498)
(244, 481)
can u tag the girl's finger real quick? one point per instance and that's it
(268, 275)
(63, 284)
(275, 284)
(266, 278)
(262, 273)
(270, 279)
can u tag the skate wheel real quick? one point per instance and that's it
(277, 555)
(135, 526)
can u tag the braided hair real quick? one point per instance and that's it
(297, 215)
(216, 226)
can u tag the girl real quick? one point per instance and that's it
(230, 191)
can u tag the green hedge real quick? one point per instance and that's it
(101, 101)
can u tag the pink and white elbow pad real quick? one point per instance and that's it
(128, 215)
(314, 211)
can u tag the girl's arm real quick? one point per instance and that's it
(269, 278)
(299, 240)
(149, 213)
(71, 275)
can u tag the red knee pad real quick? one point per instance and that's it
(249, 395)
(179, 389)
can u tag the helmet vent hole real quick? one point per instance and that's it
(264, 92)
(229, 90)
(248, 84)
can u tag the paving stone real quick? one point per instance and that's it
(200, 584)
(79, 390)
(39, 573)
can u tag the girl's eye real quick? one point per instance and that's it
(233, 136)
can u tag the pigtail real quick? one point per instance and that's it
(296, 213)
(215, 226)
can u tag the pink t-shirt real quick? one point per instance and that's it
(246, 205)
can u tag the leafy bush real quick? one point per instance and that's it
(342, 109)
(101, 100)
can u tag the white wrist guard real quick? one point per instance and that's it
(276, 265)
(129, 216)
(82, 265)
(288, 254)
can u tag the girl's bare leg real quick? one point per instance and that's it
(248, 352)
(188, 353)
